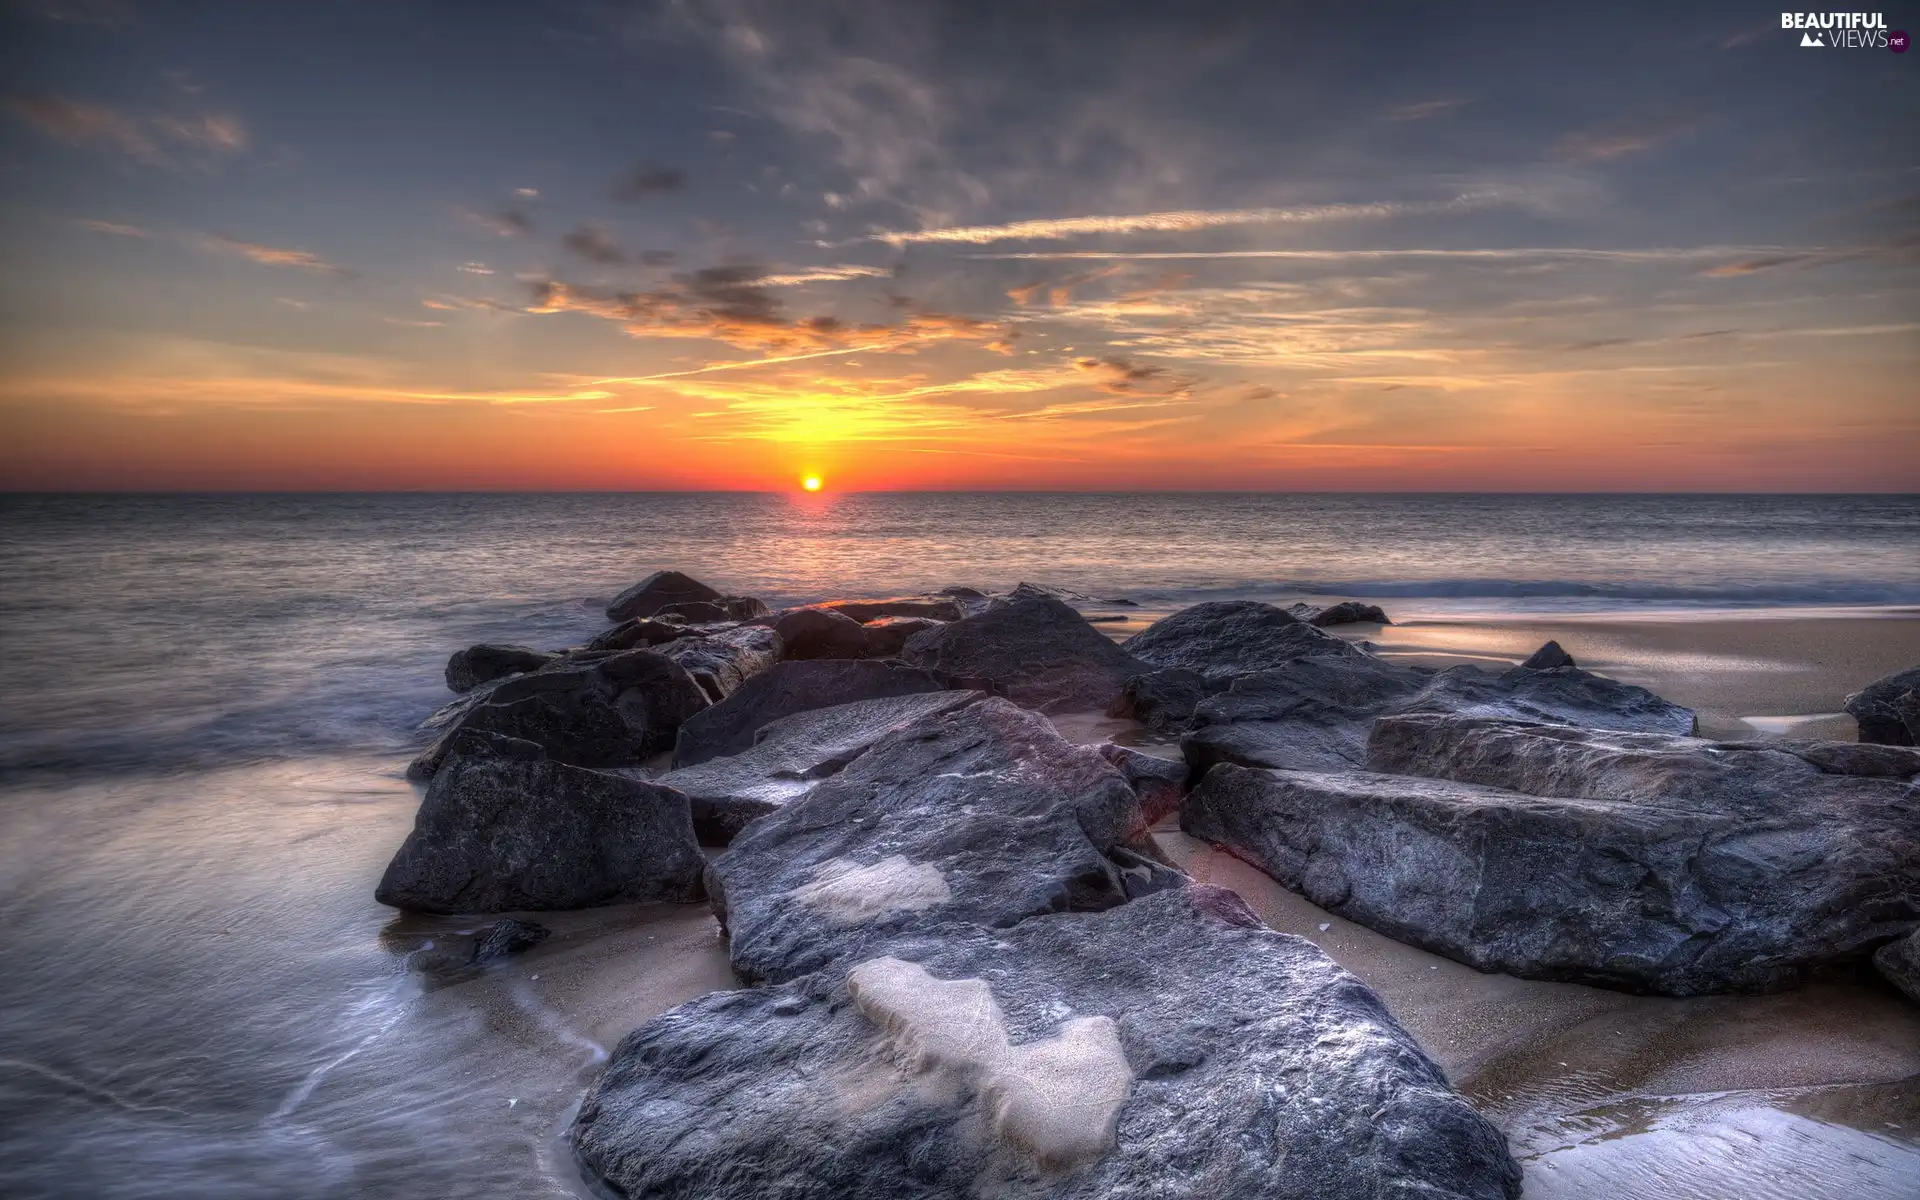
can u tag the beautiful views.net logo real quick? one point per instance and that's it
(1856, 31)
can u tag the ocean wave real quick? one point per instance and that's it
(1599, 593)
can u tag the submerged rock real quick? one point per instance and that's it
(505, 828)
(731, 726)
(1876, 708)
(791, 756)
(1899, 963)
(1646, 862)
(656, 593)
(981, 815)
(1170, 1048)
(613, 712)
(475, 665)
(1038, 652)
(506, 937)
(1223, 638)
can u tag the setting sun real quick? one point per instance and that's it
(811, 483)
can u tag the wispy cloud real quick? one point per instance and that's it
(1424, 110)
(115, 228)
(1495, 254)
(839, 274)
(273, 256)
(153, 140)
(649, 179)
(595, 245)
(1601, 145)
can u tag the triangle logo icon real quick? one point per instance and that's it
(1809, 39)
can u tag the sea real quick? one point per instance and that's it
(207, 702)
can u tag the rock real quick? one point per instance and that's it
(1159, 783)
(888, 636)
(656, 592)
(615, 712)
(746, 608)
(698, 612)
(1899, 962)
(1907, 707)
(1645, 862)
(1169, 1049)
(721, 661)
(1039, 652)
(730, 726)
(475, 665)
(1165, 700)
(981, 815)
(1549, 657)
(1313, 714)
(1231, 637)
(1876, 709)
(504, 828)
(506, 937)
(822, 633)
(936, 608)
(961, 592)
(1347, 612)
(791, 756)
(636, 633)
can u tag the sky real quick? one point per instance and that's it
(1063, 245)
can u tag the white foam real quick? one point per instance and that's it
(1058, 1100)
(850, 894)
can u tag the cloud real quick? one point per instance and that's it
(273, 256)
(658, 258)
(114, 227)
(1058, 228)
(1657, 254)
(1604, 145)
(595, 245)
(107, 14)
(1424, 110)
(154, 141)
(1118, 375)
(649, 180)
(837, 274)
(1059, 292)
(513, 222)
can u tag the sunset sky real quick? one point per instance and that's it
(1033, 245)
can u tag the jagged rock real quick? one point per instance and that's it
(657, 592)
(1039, 652)
(746, 608)
(888, 636)
(504, 828)
(1876, 708)
(1313, 714)
(723, 660)
(1907, 707)
(698, 612)
(1899, 963)
(613, 712)
(1640, 861)
(1169, 1049)
(961, 592)
(935, 608)
(475, 665)
(791, 756)
(506, 937)
(982, 815)
(1160, 783)
(1347, 612)
(1549, 657)
(636, 633)
(1231, 637)
(1165, 700)
(730, 726)
(822, 633)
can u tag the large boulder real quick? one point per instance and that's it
(475, 665)
(791, 756)
(1877, 708)
(611, 712)
(731, 726)
(822, 633)
(724, 659)
(1039, 652)
(1899, 964)
(505, 828)
(1347, 612)
(888, 636)
(1314, 714)
(1646, 862)
(935, 608)
(1169, 1049)
(981, 815)
(1231, 637)
(1165, 700)
(657, 592)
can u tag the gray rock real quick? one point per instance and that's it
(656, 592)
(936, 608)
(617, 711)
(791, 756)
(1038, 652)
(1169, 1049)
(822, 633)
(1231, 637)
(1645, 862)
(1907, 707)
(1876, 708)
(746, 608)
(506, 937)
(730, 726)
(722, 660)
(699, 612)
(1899, 963)
(1548, 658)
(1347, 612)
(888, 636)
(1314, 714)
(503, 828)
(475, 665)
(635, 634)
(1160, 783)
(1165, 700)
(982, 815)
